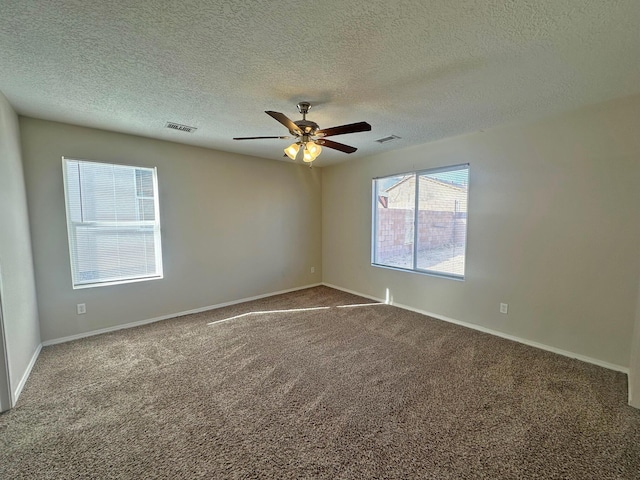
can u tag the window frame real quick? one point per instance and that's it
(114, 226)
(374, 222)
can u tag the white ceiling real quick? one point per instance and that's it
(423, 70)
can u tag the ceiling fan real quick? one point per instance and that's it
(309, 137)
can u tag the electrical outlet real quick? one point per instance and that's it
(81, 308)
(313, 269)
(504, 308)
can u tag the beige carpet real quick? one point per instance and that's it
(337, 393)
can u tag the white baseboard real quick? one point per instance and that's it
(18, 390)
(353, 292)
(565, 353)
(55, 341)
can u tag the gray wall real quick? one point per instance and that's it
(634, 368)
(17, 287)
(232, 227)
(553, 230)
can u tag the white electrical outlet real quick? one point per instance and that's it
(81, 308)
(313, 269)
(504, 308)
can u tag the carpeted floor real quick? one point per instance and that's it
(339, 392)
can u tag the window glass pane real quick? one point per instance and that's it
(442, 221)
(146, 209)
(105, 253)
(422, 226)
(144, 183)
(395, 208)
(114, 232)
(101, 192)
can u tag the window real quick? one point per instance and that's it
(420, 221)
(113, 223)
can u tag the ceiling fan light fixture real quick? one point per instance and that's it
(292, 151)
(313, 150)
(307, 156)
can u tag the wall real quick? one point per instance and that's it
(232, 227)
(553, 230)
(17, 286)
(634, 368)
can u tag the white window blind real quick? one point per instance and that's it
(420, 221)
(113, 223)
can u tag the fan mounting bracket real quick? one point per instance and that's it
(303, 108)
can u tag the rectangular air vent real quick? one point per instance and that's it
(390, 138)
(182, 128)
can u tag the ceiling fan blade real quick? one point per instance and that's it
(256, 138)
(286, 121)
(336, 146)
(342, 129)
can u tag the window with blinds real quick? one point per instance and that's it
(113, 223)
(420, 221)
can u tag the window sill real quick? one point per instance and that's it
(116, 282)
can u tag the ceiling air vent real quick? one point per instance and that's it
(181, 128)
(390, 138)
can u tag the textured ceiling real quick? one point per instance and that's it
(423, 70)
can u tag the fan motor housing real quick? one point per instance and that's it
(307, 126)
